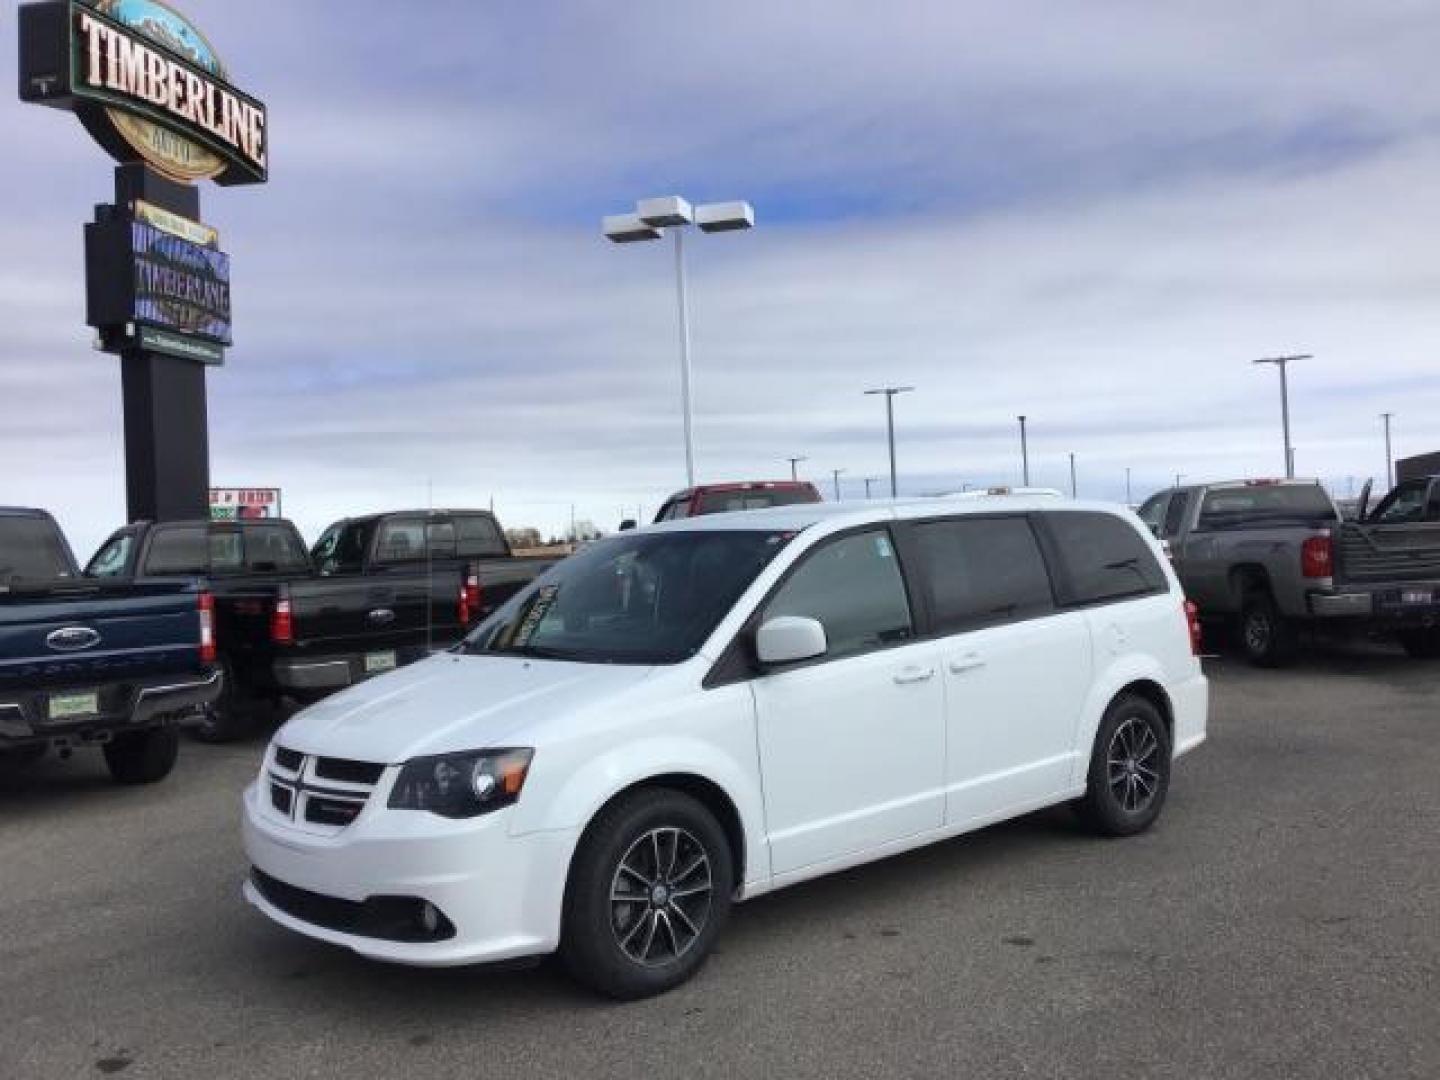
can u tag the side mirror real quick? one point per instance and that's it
(627, 524)
(786, 639)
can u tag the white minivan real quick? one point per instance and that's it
(696, 713)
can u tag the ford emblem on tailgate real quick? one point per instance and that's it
(72, 638)
(381, 616)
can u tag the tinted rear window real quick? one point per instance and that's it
(273, 550)
(477, 536)
(179, 551)
(31, 549)
(1103, 557)
(722, 502)
(1241, 506)
(403, 539)
(982, 571)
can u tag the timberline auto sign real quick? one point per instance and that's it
(146, 84)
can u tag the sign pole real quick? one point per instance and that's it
(167, 445)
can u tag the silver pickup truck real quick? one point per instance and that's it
(1275, 557)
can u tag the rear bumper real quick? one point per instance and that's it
(124, 707)
(339, 670)
(1393, 607)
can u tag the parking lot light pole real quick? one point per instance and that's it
(1024, 455)
(868, 481)
(835, 475)
(794, 461)
(1128, 500)
(650, 221)
(1389, 458)
(1074, 488)
(890, 392)
(1282, 362)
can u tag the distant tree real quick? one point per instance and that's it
(524, 537)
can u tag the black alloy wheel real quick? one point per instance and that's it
(1129, 775)
(649, 892)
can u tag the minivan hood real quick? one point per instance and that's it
(451, 702)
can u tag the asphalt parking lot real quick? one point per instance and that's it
(1280, 921)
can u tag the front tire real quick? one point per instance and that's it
(649, 892)
(1421, 644)
(1129, 773)
(1269, 639)
(142, 757)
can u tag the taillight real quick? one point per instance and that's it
(282, 622)
(1317, 557)
(473, 595)
(463, 608)
(205, 603)
(1192, 619)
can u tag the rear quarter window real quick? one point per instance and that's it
(1101, 557)
(982, 571)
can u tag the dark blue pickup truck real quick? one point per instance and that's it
(90, 663)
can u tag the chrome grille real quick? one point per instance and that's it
(319, 794)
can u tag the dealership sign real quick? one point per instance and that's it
(146, 84)
(244, 504)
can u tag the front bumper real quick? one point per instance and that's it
(124, 707)
(502, 894)
(337, 671)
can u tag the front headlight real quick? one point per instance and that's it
(462, 785)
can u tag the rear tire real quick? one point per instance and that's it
(1422, 644)
(142, 757)
(1129, 773)
(667, 851)
(1268, 639)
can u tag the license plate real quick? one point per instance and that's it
(66, 706)
(1417, 596)
(379, 661)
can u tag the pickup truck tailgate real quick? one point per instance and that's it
(1379, 553)
(88, 632)
(383, 611)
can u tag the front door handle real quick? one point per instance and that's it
(968, 662)
(914, 674)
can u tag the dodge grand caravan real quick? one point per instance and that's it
(700, 712)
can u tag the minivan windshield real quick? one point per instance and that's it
(640, 598)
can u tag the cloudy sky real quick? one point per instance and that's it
(1094, 214)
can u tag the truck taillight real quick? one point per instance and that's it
(205, 604)
(1317, 557)
(474, 597)
(1192, 619)
(463, 607)
(282, 623)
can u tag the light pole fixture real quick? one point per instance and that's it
(1074, 489)
(1024, 455)
(1128, 500)
(794, 461)
(1389, 457)
(835, 475)
(1178, 477)
(650, 221)
(890, 392)
(868, 481)
(1282, 362)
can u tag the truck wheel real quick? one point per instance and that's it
(1422, 644)
(1268, 638)
(649, 891)
(1129, 774)
(142, 757)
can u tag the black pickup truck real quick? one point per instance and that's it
(89, 663)
(372, 598)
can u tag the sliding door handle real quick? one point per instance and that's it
(914, 674)
(968, 662)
